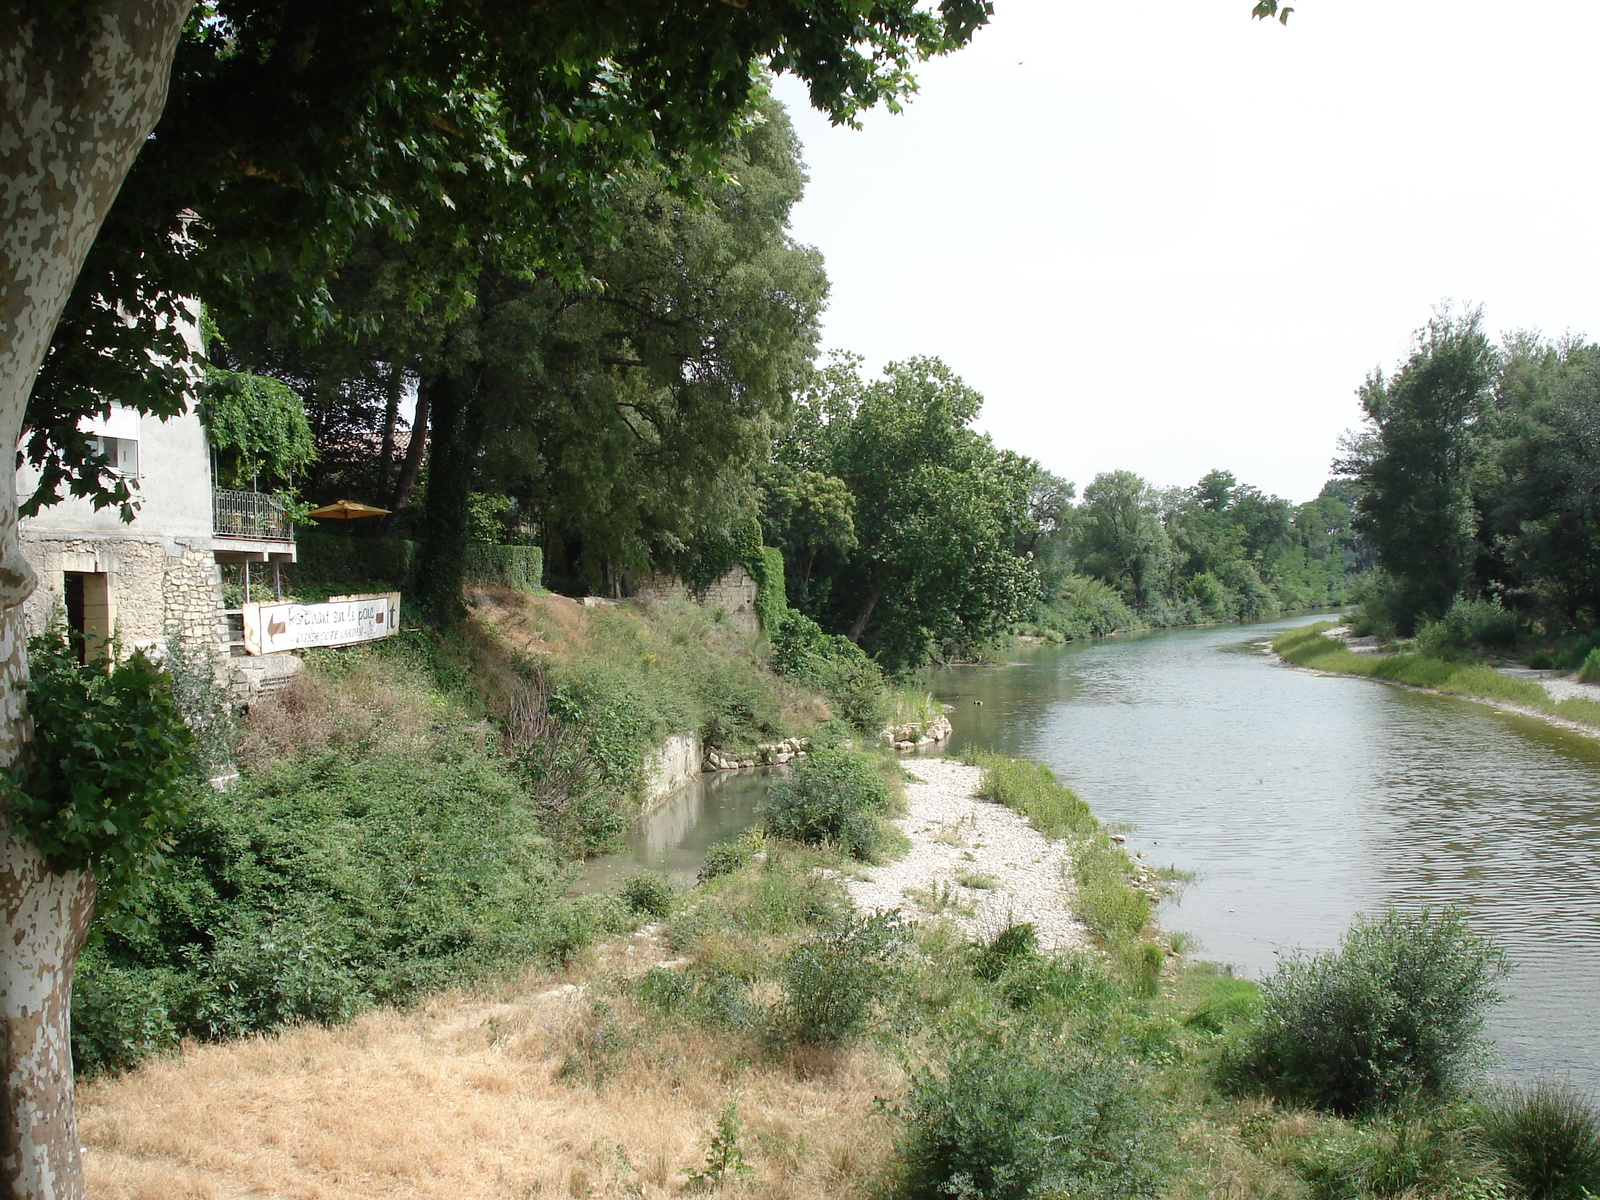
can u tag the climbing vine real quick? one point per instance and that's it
(258, 427)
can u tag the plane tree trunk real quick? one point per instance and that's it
(79, 95)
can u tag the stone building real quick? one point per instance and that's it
(137, 580)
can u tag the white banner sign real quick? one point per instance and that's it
(269, 628)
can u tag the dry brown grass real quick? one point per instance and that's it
(466, 1098)
(533, 624)
(371, 701)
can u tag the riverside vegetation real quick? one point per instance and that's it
(1443, 660)
(792, 1045)
(407, 813)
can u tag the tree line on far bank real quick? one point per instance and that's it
(1476, 479)
(916, 536)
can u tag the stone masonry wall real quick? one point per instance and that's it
(153, 584)
(734, 594)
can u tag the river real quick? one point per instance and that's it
(1295, 800)
(1299, 800)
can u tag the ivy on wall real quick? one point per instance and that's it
(257, 426)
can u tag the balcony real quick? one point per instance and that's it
(249, 516)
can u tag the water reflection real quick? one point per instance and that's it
(710, 808)
(1300, 800)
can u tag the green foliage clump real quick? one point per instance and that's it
(1425, 1153)
(1547, 1140)
(258, 427)
(1590, 671)
(830, 982)
(384, 861)
(1033, 790)
(649, 894)
(772, 602)
(1396, 1012)
(833, 797)
(724, 1156)
(730, 855)
(519, 567)
(1028, 1119)
(835, 666)
(1468, 627)
(104, 782)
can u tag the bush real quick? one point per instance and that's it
(1013, 1122)
(734, 854)
(1468, 627)
(1396, 1011)
(835, 666)
(1547, 1140)
(649, 894)
(830, 982)
(119, 1018)
(832, 797)
(519, 567)
(1590, 671)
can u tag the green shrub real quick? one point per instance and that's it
(832, 797)
(519, 567)
(1014, 944)
(1468, 627)
(120, 1017)
(1396, 1011)
(835, 666)
(338, 563)
(1590, 671)
(649, 894)
(734, 854)
(1543, 660)
(1412, 1155)
(830, 982)
(1027, 1120)
(1547, 1140)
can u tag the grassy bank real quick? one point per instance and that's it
(1309, 646)
(409, 812)
(765, 1038)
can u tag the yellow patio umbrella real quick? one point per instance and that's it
(346, 510)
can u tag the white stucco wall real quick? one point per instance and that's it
(173, 492)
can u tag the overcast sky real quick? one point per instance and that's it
(1162, 236)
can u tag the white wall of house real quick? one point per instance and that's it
(172, 483)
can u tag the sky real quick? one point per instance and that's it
(1164, 237)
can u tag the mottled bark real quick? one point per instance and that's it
(79, 95)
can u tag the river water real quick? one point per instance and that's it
(1299, 800)
(1296, 800)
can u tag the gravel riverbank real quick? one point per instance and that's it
(958, 840)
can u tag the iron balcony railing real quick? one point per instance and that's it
(253, 515)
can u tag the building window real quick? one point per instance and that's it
(123, 453)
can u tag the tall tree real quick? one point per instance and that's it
(938, 510)
(1120, 535)
(1414, 462)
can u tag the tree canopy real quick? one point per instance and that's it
(929, 566)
